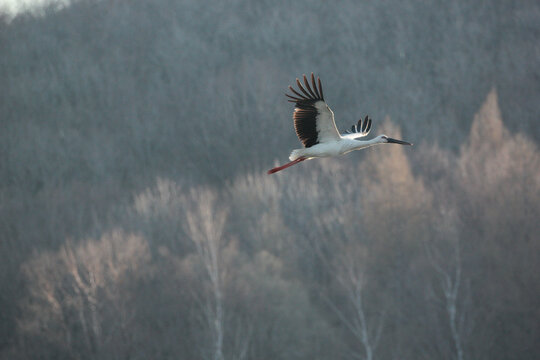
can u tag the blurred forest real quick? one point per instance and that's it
(137, 221)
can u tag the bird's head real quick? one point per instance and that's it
(385, 139)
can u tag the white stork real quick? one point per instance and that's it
(315, 127)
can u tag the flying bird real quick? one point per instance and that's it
(316, 129)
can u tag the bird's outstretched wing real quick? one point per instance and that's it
(313, 119)
(360, 130)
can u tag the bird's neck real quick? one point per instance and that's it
(362, 144)
(349, 145)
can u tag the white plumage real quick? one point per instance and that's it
(315, 127)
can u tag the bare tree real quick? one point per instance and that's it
(366, 330)
(444, 256)
(205, 224)
(346, 265)
(81, 287)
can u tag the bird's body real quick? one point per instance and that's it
(315, 127)
(338, 147)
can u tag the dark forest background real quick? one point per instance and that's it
(137, 220)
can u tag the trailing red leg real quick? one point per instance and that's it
(279, 168)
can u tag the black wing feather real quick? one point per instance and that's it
(363, 127)
(314, 94)
(320, 88)
(305, 125)
(306, 82)
(365, 123)
(296, 93)
(305, 112)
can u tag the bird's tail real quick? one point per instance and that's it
(295, 154)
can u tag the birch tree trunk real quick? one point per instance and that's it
(445, 258)
(205, 223)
